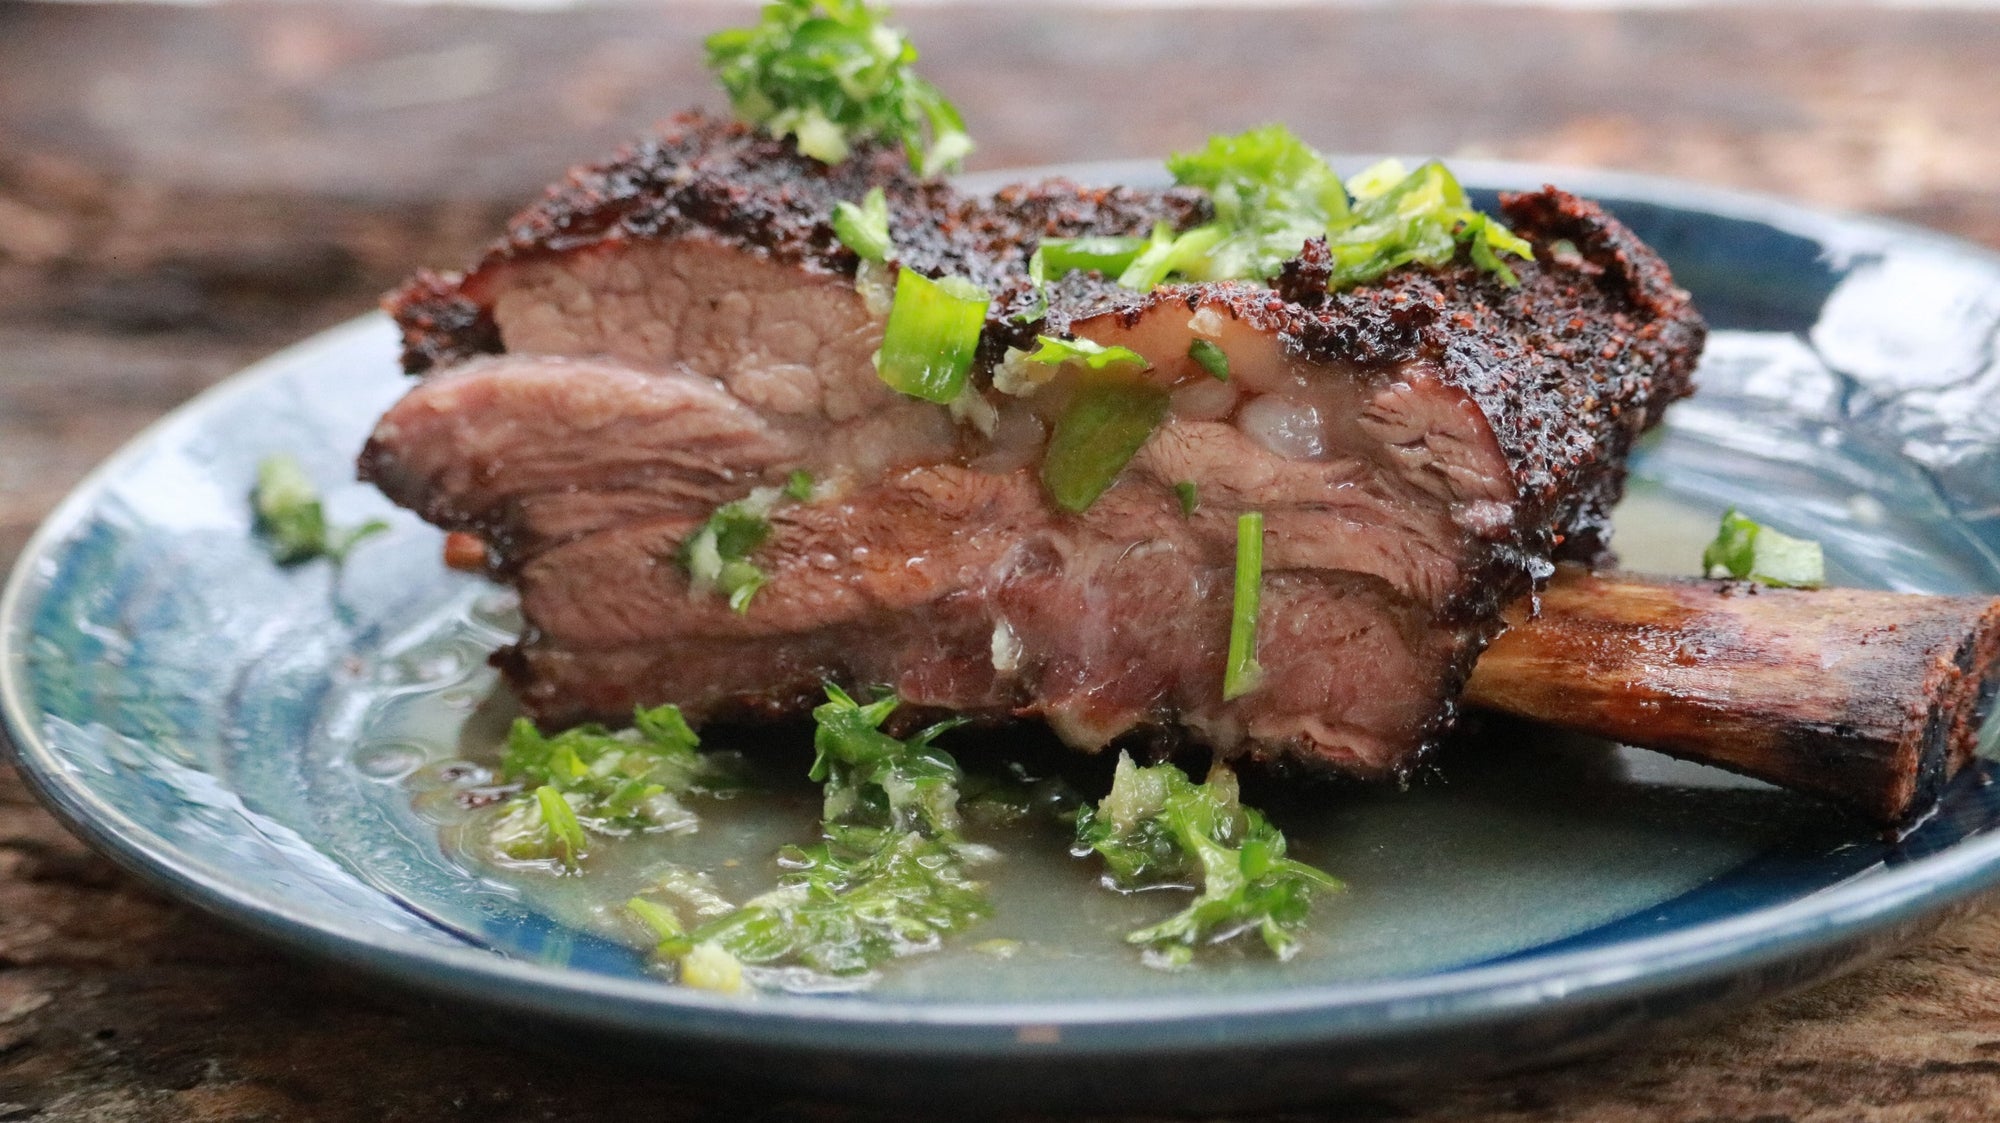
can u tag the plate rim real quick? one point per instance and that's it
(1461, 998)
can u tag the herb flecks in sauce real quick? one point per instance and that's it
(589, 782)
(1159, 828)
(291, 519)
(889, 877)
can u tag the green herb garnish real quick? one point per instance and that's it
(1210, 358)
(864, 229)
(830, 73)
(1109, 254)
(799, 486)
(1747, 550)
(592, 780)
(890, 876)
(1272, 193)
(1189, 498)
(1167, 254)
(1420, 217)
(291, 519)
(1243, 674)
(1159, 828)
(717, 555)
(1105, 424)
(1052, 351)
(932, 335)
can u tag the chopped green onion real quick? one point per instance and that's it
(1096, 356)
(616, 783)
(716, 557)
(1190, 500)
(799, 486)
(1272, 193)
(1420, 217)
(1211, 358)
(864, 229)
(1243, 674)
(658, 917)
(1157, 828)
(561, 820)
(830, 73)
(932, 336)
(1108, 254)
(1747, 550)
(1167, 253)
(1104, 426)
(291, 519)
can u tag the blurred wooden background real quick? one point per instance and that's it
(185, 189)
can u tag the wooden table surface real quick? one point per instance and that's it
(184, 190)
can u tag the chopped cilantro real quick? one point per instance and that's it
(1272, 193)
(830, 73)
(1746, 549)
(1156, 827)
(291, 519)
(799, 486)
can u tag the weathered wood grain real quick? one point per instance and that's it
(182, 191)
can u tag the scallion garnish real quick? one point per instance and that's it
(1096, 356)
(1190, 499)
(1747, 550)
(1108, 254)
(291, 519)
(830, 73)
(1167, 254)
(799, 486)
(717, 555)
(563, 827)
(1105, 424)
(865, 228)
(1272, 193)
(1211, 358)
(1420, 217)
(1243, 674)
(932, 335)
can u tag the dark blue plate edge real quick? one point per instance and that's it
(1838, 926)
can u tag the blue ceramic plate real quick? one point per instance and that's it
(255, 739)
